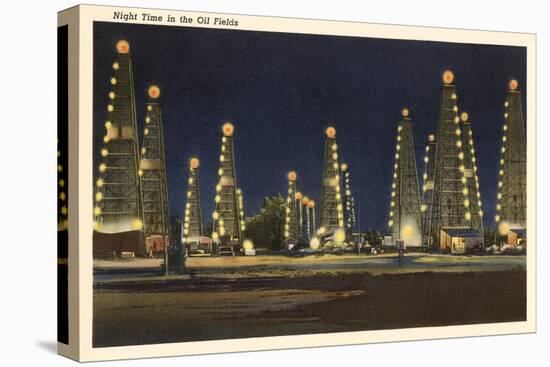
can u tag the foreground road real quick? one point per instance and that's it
(264, 296)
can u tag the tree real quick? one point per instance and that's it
(265, 229)
(374, 237)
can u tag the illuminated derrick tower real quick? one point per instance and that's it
(152, 173)
(450, 190)
(331, 216)
(405, 218)
(306, 227)
(512, 195)
(472, 201)
(311, 218)
(241, 210)
(118, 207)
(349, 203)
(428, 188)
(62, 206)
(227, 226)
(291, 210)
(299, 215)
(192, 222)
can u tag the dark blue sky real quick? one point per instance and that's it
(282, 90)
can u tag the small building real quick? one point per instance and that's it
(460, 240)
(517, 237)
(156, 243)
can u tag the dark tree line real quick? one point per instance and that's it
(265, 229)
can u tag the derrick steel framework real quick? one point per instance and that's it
(405, 195)
(470, 173)
(152, 173)
(292, 226)
(427, 188)
(450, 190)
(118, 196)
(331, 211)
(349, 203)
(227, 224)
(192, 224)
(512, 193)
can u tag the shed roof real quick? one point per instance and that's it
(522, 232)
(462, 232)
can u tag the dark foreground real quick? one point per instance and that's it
(209, 308)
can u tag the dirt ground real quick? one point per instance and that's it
(252, 297)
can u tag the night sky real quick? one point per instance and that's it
(282, 90)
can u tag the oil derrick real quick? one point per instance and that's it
(118, 212)
(152, 174)
(405, 218)
(310, 217)
(291, 210)
(227, 226)
(241, 210)
(331, 216)
(62, 205)
(428, 188)
(512, 195)
(349, 203)
(299, 216)
(472, 200)
(192, 222)
(306, 227)
(450, 191)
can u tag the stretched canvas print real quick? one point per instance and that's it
(233, 183)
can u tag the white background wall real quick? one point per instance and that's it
(28, 184)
